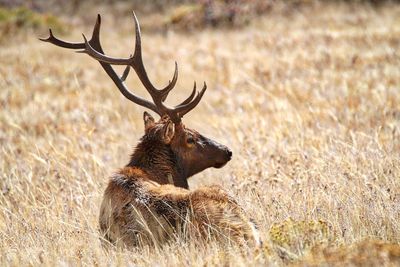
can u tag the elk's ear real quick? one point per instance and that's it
(148, 120)
(168, 132)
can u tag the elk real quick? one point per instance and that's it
(148, 201)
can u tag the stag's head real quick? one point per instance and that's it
(191, 151)
(194, 152)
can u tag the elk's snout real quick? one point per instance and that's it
(225, 157)
(216, 154)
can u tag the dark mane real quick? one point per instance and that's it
(156, 158)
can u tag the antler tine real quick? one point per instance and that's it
(52, 39)
(190, 98)
(125, 74)
(185, 108)
(94, 40)
(171, 84)
(96, 32)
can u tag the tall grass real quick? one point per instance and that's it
(308, 101)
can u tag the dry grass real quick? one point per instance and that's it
(308, 101)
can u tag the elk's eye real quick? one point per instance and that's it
(190, 140)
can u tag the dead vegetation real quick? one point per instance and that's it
(363, 253)
(314, 129)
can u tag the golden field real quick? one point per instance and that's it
(308, 99)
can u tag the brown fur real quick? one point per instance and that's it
(141, 207)
(136, 210)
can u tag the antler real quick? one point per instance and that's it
(94, 49)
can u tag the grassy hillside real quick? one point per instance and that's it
(308, 99)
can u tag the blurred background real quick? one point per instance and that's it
(156, 15)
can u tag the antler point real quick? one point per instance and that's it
(84, 38)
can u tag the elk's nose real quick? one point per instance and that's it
(229, 153)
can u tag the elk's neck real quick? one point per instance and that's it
(160, 162)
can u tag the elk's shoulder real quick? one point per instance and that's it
(126, 182)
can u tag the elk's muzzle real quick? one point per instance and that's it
(225, 155)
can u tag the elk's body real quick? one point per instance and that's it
(136, 210)
(148, 201)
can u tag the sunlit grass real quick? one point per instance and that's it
(308, 101)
